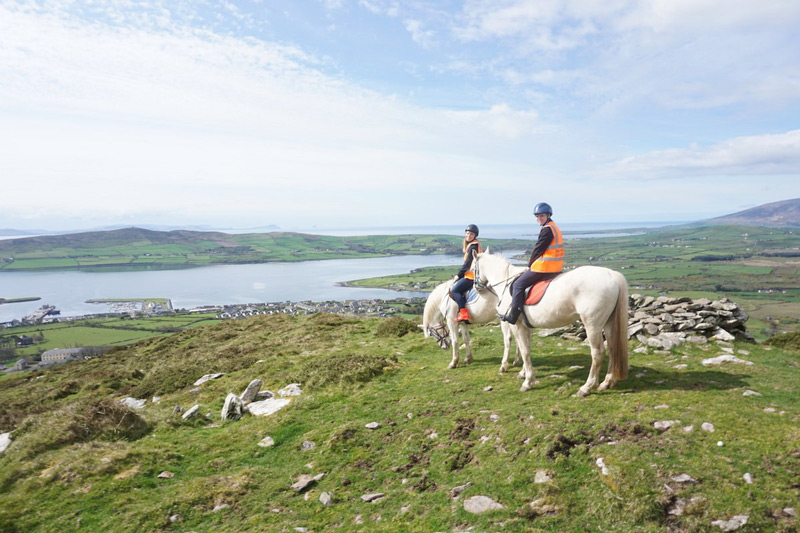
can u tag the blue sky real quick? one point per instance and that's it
(367, 112)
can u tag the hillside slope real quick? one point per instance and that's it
(781, 214)
(79, 458)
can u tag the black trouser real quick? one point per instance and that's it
(525, 280)
(459, 291)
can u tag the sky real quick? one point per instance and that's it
(337, 113)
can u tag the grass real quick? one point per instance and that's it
(439, 429)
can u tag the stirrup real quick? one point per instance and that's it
(512, 315)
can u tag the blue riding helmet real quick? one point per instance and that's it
(541, 208)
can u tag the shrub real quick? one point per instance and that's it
(788, 341)
(396, 327)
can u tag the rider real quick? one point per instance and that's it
(465, 279)
(546, 262)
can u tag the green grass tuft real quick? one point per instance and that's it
(396, 327)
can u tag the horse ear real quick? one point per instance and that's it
(487, 250)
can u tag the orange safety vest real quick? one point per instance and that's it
(470, 274)
(552, 260)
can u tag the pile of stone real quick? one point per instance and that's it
(718, 319)
(665, 322)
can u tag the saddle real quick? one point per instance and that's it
(536, 292)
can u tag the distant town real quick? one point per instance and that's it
(47, 314)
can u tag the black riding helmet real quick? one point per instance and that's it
(543, 207)
(473, 228)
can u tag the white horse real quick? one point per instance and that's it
(597, 296)
(439, 321)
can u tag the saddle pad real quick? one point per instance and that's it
(536, 292)
(472, 295)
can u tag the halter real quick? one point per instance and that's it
(441, 334)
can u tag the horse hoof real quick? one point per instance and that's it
(468, 360)
(581, 393)
(524, 388)
(503, 370)
(451, 366)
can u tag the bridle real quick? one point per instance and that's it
(480, 285)
(441, 334)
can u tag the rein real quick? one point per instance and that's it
(491, 287)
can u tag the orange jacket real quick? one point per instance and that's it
(469, 274)
(552, 260)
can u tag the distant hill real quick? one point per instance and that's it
(785, 213)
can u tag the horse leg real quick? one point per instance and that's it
(468, 349)
(453, 325)
(506, 346)
(523, 337)
(594, 336)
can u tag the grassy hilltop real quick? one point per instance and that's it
(79, 459)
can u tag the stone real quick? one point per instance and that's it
(748, 478)
(733, 524)
(207, 377)
(5, 441)
(542, 476)
(707, 426)
(264, 395)
(191, 412)
(683, 478)
(292, 389)
(326, 498)
(665, 424)
(232, 409)
(251, 391)
(266, 442)
(751, 393)
(304, 481)
(481, 504)
(721, 334)
(166, 475)
(372, 425)
(455, 492)
(133, 403)
(267, 407)
(725, 359)
(372, 498)
(601, 464)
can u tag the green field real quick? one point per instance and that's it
(97, 332)
(138, 249)
(80, 460)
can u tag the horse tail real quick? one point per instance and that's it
(618, 332)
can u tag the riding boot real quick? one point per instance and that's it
(512, 315)
(463, 315)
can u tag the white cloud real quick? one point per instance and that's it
(756, 156)
(419, 34)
